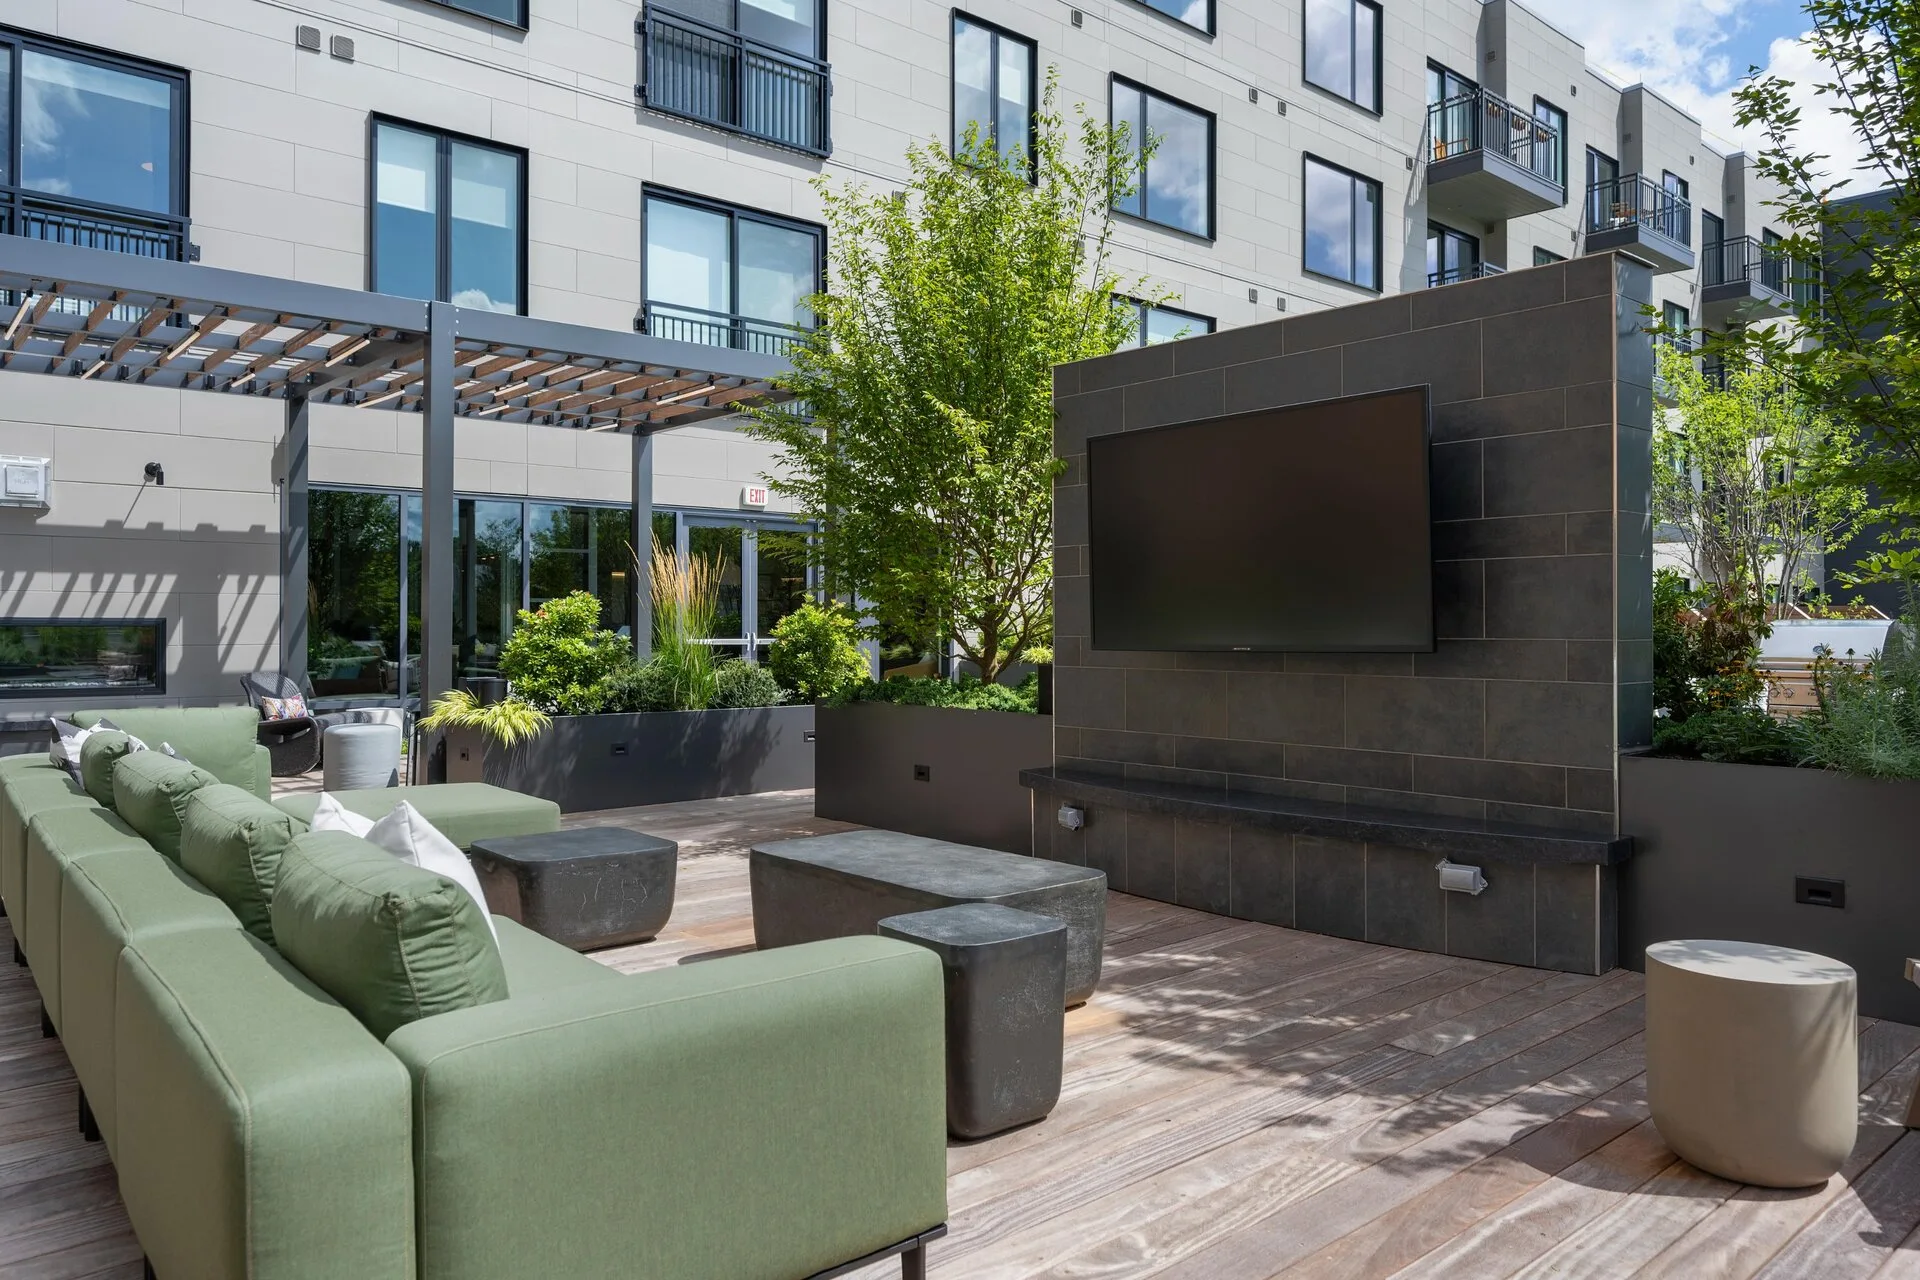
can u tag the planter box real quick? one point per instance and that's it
(1718, 848)
(872, 756)
(584, 763)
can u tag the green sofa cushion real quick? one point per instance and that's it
(151, 790)
(389, 941)
(108, 901)
(220, 740)
(536, 965)
(461, 811)
(58, 838)
(23, 792)
(98, 757)
(231, 841)
(263, 1134)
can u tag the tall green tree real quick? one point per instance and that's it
(926, 451)
(1857, 263)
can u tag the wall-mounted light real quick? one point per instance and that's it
(156, 473)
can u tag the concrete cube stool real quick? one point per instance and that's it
(584, 887)
(1752, 1059)
(1006, 976)
(358, 756)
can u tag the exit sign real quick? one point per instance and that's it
(753, 495)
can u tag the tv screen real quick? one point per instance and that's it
(1304, 528)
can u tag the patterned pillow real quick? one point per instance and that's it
(291, 707)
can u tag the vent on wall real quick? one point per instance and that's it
(24, 482)
(1079, 18)
(341, 47)
(307, 38)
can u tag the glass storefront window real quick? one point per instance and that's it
(781, 573)
(353, 568)
(486, 584)
(723, 544)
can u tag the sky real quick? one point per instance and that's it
(1696, 52)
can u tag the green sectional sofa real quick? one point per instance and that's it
(769, 1115)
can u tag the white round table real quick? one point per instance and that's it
(1752, 1059)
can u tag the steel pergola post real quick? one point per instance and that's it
(436, 506)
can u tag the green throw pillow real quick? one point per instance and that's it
(391, 942)
(231, 841)
(98, 755)
(151, 790)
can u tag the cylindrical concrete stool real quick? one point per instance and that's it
(360, 755)
(1752, 1064)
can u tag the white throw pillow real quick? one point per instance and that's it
(411, 838)
(331, 815)
(65, 750)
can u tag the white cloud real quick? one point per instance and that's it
(1686, 53)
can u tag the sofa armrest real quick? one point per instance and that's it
(262, 784)
(772, 1114)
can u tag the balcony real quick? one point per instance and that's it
(719, 329)
(1640, 218)
(70, 220)
(717, 77)
(1487, 160)
(1454, 275)
(1743, 280)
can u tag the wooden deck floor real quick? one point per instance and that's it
(1241, 1101)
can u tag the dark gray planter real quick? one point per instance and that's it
(584, 763)
(932, 771)
(1719, 847)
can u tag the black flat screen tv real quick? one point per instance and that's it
(1307, 528)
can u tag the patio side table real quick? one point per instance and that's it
(1006, 980)
(583, 887)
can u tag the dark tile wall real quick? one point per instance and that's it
(1541, 382)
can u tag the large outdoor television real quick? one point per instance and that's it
(1304, 528)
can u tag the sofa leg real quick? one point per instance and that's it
(46, 1024)
(19, 956)
(146, 1270)
(89, 1127)
(913, 1263)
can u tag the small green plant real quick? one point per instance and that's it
(506, 722)
(686, 598)
(1867, 722)
(738, 683)
(1706, 645)
(966, 694)
(1729, 735)
(559, 656)
(816, 653)
(639, 686)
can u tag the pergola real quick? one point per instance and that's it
(83, 313)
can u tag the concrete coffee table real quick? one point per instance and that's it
(585, 887)
(840, 886)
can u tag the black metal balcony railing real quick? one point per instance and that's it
(1617, 202)
(719, 329)
(1484, 121)
(70, 220)
(1745, 258)
(702, 72)
(1453, 275)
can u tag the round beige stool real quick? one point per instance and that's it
(1752, 1064)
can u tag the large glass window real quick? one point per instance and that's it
(90, 148)
(1451, 255)
(512, 12)
(1343, 49)
(1546, 257)
(43, 656)
(728, 277)
(353, 574)
(1342, 225)
(751, 66)
(1153, 324)
(447, 218)
(1550, 161)
(1197, 14)
(1603, 187)
(1177, 188)
(993, 76)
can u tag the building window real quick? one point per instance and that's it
(1550, 161)
(1546, 257)
(1343, 225)
(40, 656)
(1177, 188)
(448, 218)
(91, 148)
(728, 277)
(511, 12)
(1154, 324)
(1197, 14)
(1676, 211)
(755, 67)
(1343, 49)
(1452, 255)
(1603, 188)
(993, 78)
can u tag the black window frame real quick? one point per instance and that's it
(1140, 307)
(650, 192)
(13, 42)
(1545, 257)
(472, 10)
(1565, 124)
(999, 33)
(1139, 131)
(1379, 219)
(156, 686)
(1718, 223)
(1444, 233)
(1213, 17)
(443, 201)
(1377, 106)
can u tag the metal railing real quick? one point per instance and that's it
(719, 329)
(1484, 121)
(1617, 202)
(1454, 275)
(719, 77)
(1745, 258)
(69, 220)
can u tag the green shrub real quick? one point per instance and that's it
(1868, 721)
(738, 683)
(640, 686)
(816, 653)
(967, 693)
(559, 657)
(1706, 644)
(1729, 735)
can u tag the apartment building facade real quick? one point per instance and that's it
(653, 167)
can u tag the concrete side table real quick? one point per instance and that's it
(359, 756)
(1753, 1060)
(585, 887)
(1006, 976)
